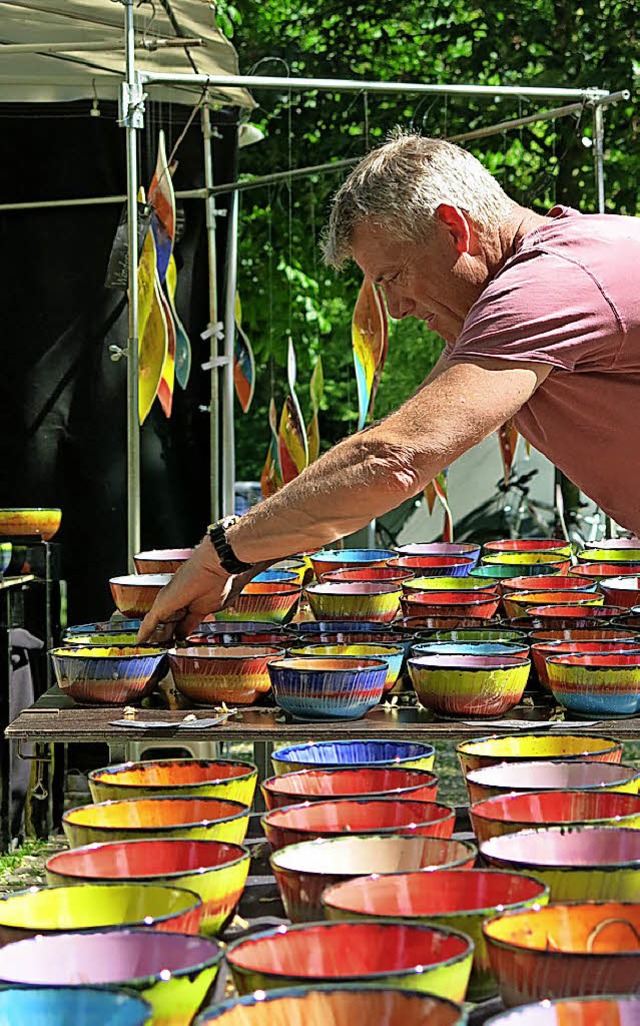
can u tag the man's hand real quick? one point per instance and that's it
(199, 587)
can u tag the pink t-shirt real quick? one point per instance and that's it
(570, 297)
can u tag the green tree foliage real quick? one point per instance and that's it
(283, 282)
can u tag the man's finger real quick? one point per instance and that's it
(190, 622)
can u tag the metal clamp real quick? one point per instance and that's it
(131, 105)
(217, 361)
(117, 352)
(32, 758)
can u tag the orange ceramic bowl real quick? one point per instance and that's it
(161, 561)
(16, 522)
(134, 594)
(516, 603)
(266, 601)
(210, 674)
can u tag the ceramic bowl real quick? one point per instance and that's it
(376, 601)
(420, 624)
(509, 813)
(595, 571)
(548, 582)
(277, 577)
(108, 676)
(197, 778)
(393, 655)
(161, 561)
(553, 775)
(577, 863)
(511, 649)
(584, 1011)
(409, 956)
(61, 1006)
(327, 687)
(211, 674)
(97, 906)
(622, 555)
(574, 615)
(5, 556)
(352, 575)
(566, 951)
(294, 564)
(326, 560)
(541, 651)
(482, 605)
(134, 594)
(425, 582)
(136, 819)
(16, 522)
(528, 545)
(434, 566)
(621, 591)
(102, 639)
(597, 634)
(316, 785)
(338, 1004)
(372, 753)
(469, 685)
(530, 563)
(518, 602)
(215, 871)
(244, 632)
(631, 542)
(362, 816)
(304, 871)
(457, 899)
(268, 602)
(173, 972)
(488, 751)
(336, 631)
(495, 574)
(604, 684)
(107, 627)
(475, 635)
(439, 549)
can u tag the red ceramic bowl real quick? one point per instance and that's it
(161, 561)
(479, 604)
(321, 953)
(621, 591)
(574, 614)
(134, 594)
(317, 785)
(440, 623)
(351, 575)
(221, 635)
(517, 602)
(362, 816)
(547, 582)
(526, 545)
(268, 601)
(304, 871)
(208, 675)
(597, 570)
(434, 566)
(446, 898)
(513, 812)
(568, 951)
(583, 634)
(542, 651)
(489, 751)
(550, 775)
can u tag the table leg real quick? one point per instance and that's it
(5, 765)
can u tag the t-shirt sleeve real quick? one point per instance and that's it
(541, 308)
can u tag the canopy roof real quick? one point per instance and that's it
(40, 76)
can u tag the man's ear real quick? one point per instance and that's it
(457, 225)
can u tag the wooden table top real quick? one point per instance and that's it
(56, 718)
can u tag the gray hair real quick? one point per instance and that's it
(400, 185)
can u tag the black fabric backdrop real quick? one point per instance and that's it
(62, 399)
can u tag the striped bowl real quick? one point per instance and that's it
(266, 602)
(434, 566)
(351, 575)
(325, 688)
(618, 1010)
(376, 601)
(530, 562)
(518, 602)
(482, 605)
(134, 594)
(624, 555)
(544, 650)
(195, 778)
(603, 684)
(528, 545)
(210, 674)
(6, 549)
(439, 549)
(487, 751)
(393, 655)
(161, 561)
(108, 676)
(469, 685)
(373, 752)
(18, 522)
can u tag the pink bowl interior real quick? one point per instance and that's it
(466, 662)
(542, 774)
(227, 653)
(355, 588)
(563, 846)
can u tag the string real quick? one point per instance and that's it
(365, 98)
(270, 282)
(290, 211)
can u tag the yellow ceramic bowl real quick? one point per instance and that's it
(488, 751)
(547, 559)
(30, 522)
(373, 601)
(206, 819)
(448, 584)
(516, 603)
(197, 778)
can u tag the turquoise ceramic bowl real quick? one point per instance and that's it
(327, 687)
(71, 1006)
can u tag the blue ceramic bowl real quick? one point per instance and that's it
(108, 676)
(102, 627)
(315, 629)
(342, 754)
(393, 655)
(71, 1006)
(5, 556)
(327, 687)
(509, 648)
(279, 576)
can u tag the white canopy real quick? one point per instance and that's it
(30, 31)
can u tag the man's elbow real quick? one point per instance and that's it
(394, 468)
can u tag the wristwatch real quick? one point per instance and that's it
(218, 534)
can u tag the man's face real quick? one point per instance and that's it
(429, 280)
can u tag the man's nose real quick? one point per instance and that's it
(399, 306)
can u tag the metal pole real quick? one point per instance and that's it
(99, 44)
(349, 85)
(598, 154)
(214, 403)
(133, 424)
(228, 393)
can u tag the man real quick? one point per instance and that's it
(541, 316)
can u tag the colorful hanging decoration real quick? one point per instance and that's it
(293, 449)
(271, 478)
(508, 437)
(438, 489)
(316, 391)
(163, 214)
(244, 367)
(167, 380)
(152, 327)
(183, 345)
(370, 337)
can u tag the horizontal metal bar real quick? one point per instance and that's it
(527, 119)
(94, 201)
(340, 85)
(602, 101)
(98, 44)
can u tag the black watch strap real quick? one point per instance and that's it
(228, 560)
